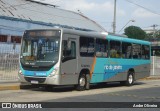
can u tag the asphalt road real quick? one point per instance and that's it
(142, 91)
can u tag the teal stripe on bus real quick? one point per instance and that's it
(36, 73)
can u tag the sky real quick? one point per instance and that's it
(102, 11)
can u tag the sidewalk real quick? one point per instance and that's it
(10, 86)
(14, 86)
(18, 86)
(156, 77)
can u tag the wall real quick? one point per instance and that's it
(16, 28)
(155, 66)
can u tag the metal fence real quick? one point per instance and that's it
(155, 66)
(9, 58)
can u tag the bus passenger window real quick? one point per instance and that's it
(101, 48)
(126, 50)
(115, 49)
(86, 47)
(136, 51)
(145, 52)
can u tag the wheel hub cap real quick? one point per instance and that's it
(130, 79)
(82, 82)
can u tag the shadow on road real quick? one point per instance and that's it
(59, 89)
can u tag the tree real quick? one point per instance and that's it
(135, 32)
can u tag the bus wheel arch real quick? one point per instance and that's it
(83, 80)
(130, 78)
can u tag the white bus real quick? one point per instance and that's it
(60, 56)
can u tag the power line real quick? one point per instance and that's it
(143, 7)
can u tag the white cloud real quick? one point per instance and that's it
(91, 8)
(142, 13)
(101, 12)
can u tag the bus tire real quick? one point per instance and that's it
(130, 79)
(87, 82)
(82, 82)
(122, 83)
(48, 88)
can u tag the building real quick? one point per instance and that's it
(149, 31)
(155, 41)
(19, 15)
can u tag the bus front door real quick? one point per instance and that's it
(69, 62)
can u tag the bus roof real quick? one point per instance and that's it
(108, 36)
(103, 35)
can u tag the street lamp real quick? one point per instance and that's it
(126, 25)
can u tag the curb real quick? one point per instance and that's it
(151, 78)
(15, 86)
(9, 87)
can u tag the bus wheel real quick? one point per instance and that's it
(130, 79)
(82, 81)
(87, 82)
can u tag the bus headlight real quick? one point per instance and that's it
(20, 72)
(54, 72)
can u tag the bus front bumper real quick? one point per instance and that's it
(39, 80)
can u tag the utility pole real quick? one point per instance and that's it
(114, 19)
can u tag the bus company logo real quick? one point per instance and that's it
(113, 67)
(6, 105)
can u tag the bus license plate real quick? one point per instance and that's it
(34, 82)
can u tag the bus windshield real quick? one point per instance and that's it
(40, 48)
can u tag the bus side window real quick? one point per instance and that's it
(136, 51)
(101, 48)
(86, 47)
(115, 49)
(145, 52)
(126, 50)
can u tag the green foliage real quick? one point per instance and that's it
(135, 32)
